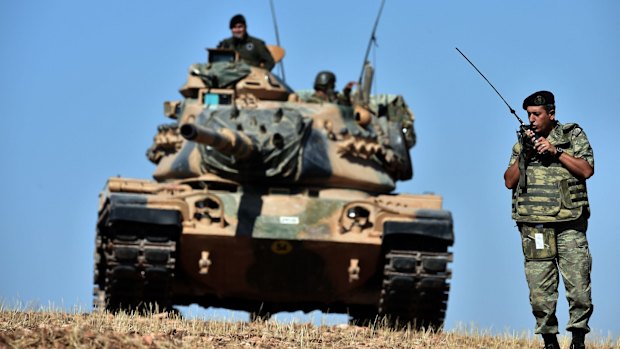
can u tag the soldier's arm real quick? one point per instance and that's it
(511, 176)
(581, 160)
(223, 44)
(265, 56)
(579, 167)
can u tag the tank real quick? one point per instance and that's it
(265, 202)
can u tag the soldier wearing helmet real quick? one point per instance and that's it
(547, 174)
(325, 90)
(251, 50)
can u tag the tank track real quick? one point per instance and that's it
(415, 288)
(134, 269)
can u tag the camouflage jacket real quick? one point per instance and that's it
(251, 50)
(550, 192)
(342, 98)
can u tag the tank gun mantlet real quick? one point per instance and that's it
(249, 144)
(224, 140)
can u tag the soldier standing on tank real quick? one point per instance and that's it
(251, 50)
(547, 174)
(324, 90)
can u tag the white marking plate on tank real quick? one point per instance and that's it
(289, 220)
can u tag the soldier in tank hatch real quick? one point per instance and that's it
(251, 50)
(547, 174)
(325, 90)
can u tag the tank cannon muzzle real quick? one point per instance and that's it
(224, 140)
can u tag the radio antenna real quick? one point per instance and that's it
(372, 39)
(512, 111)
(275, 25)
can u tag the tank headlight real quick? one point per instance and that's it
(357, 212)
(357, 218)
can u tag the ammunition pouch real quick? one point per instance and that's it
(538, 242)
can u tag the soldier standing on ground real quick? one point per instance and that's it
(547, 174)
(251, 50)
(324, 90)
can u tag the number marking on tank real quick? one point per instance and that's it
(289, 220)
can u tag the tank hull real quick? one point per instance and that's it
(266, 249)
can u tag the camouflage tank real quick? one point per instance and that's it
(264, 202)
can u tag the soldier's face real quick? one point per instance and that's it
(238, 30)
(540, 119)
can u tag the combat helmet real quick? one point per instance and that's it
(325, 81)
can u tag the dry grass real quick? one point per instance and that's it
(56, 329)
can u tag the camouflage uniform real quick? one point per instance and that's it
(251, 50)
(342, 98)
(555, 238)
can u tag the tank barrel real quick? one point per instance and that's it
(224, 140)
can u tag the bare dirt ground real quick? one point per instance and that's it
(53, 329)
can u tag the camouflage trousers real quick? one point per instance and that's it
(574, 262)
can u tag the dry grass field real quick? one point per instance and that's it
(56, 329)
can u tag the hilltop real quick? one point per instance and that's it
(54, 329)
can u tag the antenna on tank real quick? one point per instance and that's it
(373, 38)
(275, 25)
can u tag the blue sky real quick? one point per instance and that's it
(83, 84)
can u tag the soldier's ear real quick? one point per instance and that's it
(552, 114)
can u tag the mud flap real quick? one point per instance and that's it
(434, 224)
(144, 214)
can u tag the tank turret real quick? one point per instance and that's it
(361, 145)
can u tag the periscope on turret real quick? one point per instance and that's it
(265, 202)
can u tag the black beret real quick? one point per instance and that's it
(538, 98)
(237, 19)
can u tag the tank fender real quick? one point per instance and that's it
(134, 208)
(435, 224)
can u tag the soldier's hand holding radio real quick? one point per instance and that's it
(526, 139)
(543, 146)
(530, 140)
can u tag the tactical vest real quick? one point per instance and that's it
(551, 192)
